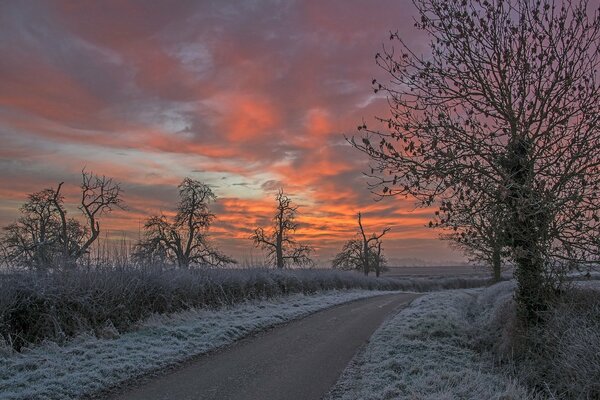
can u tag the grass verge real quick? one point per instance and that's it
(425, 352)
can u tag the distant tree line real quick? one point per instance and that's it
(46, 238)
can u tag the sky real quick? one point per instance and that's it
(246, 96)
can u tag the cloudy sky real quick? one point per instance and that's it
(247, 96)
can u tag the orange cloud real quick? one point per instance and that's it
(318, 122)
(149, 93)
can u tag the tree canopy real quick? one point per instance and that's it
(499, 116)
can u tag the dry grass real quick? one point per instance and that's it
(560, 358)
(425, 353)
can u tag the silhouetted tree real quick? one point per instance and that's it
(503, 109)
(350, 258)
(99, 196)
(362, 253)
(479, 232)
(44, 237)
(184, 240)
(282, 248)
(373, 240)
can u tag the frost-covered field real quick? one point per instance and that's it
(426, 352)
(88, 364)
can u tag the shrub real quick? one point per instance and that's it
(563, 355)
(56, 306)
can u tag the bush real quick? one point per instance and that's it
(35, 307)
(563, 355)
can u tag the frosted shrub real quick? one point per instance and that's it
(34, 307)
(559, 358)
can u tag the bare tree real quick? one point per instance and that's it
(29, 241)
(99, 196)
(44, 237)
(350, 257)
(504, 109)
(362, 253)
(375, 240)
(183, 240)
(282, 248)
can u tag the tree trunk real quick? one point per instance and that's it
(183, 261)
(526, 226)
(366, 258)
(279, 255)
(378, 260)
(279, 249)
(496, 263)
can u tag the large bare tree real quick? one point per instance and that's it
(45, 237)
(282, 249)
(502, 110)
(184, 239)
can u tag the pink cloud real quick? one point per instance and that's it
(150, 91)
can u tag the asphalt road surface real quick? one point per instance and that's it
(300, 360)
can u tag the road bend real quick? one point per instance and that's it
(300, 360)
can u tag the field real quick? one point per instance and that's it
(435, 271)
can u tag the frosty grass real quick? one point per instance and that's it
(87, 364)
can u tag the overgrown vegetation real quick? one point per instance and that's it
(34, 307)
(559, 359)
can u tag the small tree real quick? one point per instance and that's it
(479, 232)
(31, 241)
(184, 240)
(351, 257)
(44, 237)
(362, 253)
(282, 248)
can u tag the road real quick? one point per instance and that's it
(299, 360)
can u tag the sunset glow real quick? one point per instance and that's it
(245, 96)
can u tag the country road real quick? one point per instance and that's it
(299, 360)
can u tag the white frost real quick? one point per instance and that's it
(424, 352)
(87, 364)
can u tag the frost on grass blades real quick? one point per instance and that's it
(88, 364)
(468, 344)
(425, 352)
